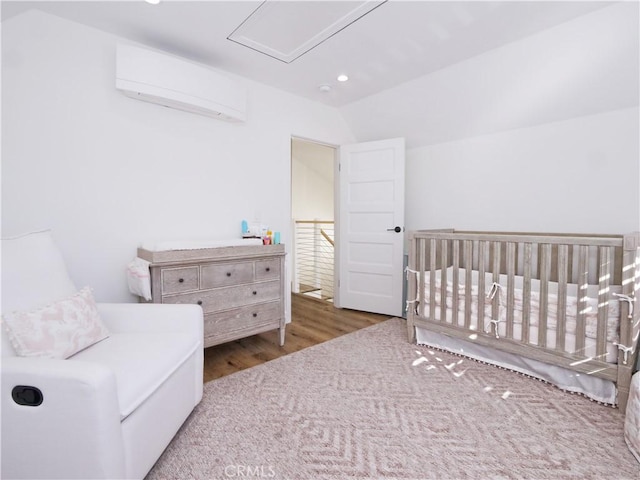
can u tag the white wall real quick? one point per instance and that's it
(106, 172)
(539, 134)
(572, 176)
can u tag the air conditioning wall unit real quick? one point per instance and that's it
(176, 83)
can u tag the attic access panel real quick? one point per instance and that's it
(287, 30)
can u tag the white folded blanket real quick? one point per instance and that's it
(139, 278)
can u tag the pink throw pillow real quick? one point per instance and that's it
(58, 330)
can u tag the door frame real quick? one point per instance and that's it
(336, 210)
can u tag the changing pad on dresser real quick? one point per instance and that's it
(198, 244)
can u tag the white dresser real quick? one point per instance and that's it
(240, 288)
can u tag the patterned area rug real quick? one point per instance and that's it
(371, 405)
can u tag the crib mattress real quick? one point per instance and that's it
(590, 309)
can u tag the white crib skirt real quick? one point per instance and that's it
(593, 387)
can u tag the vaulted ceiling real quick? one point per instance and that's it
(381, 45)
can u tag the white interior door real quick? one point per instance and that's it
(371, 225)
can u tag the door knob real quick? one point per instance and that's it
(396, 229)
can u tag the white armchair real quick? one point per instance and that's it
(109, 410)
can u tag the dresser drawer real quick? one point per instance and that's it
(176, 280)
(231, 322)
(230, 297)
(266, 269)
(220, 275)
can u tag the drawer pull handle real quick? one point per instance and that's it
(255, 315)
(228, 274)
(268, 269)
(199, 302)
(255, 293)
(181, 280)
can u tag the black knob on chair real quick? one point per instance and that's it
(27, 395)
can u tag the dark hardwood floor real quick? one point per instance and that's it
(312, 321)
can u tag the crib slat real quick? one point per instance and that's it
(421, 267)
(570, 277)
(526, 292)
(563, 261)
(482, 252)
(432, 279)
(443, 280)
(468, 265)
(412, 288)
(455, 281)
(583, 285)
(495, 306)
(543, 303)
(511, 269)
(605, 255)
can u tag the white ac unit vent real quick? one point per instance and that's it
(173, 82)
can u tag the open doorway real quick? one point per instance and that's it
(312, 206)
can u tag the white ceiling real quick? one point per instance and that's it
(392, 44)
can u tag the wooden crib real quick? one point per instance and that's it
(561, 299)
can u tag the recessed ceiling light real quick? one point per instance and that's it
(325, 88)
(343, 78)
(153, 2)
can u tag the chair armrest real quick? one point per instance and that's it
(152, 317)
(77, 424)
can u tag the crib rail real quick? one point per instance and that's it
(598, 269)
